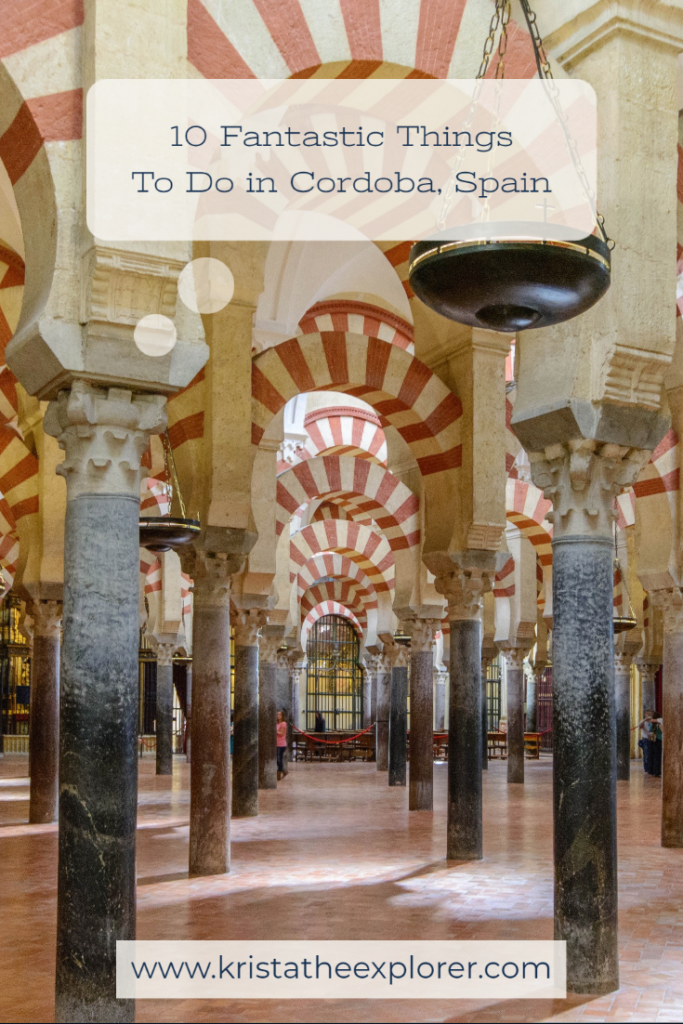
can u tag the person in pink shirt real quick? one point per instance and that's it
(281, 744)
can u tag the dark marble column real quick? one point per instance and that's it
(464, 836)
(485, 662)
(398, 717)
(532, 684)
(245, 760)
(421, 775)
(584, 761)
(164, 732)
(104, 434)
(440, 683)
(267, 713)
(288, 677)
(210, 779)
(188, 712)
(382, 713)
(44, 742)
(514, 662)
(648, 672)
(622, 694)
(671, 603)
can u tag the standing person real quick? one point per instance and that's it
(281, 744)
(643, 742)
(319, 722)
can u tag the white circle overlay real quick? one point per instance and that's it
(206, 285)
(155, 335)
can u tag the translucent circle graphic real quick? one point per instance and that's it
(206, 285)
(155, 335)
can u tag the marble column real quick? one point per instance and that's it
(582, 480)
(44, 743)
(267, 713)
(671, 603)
(440, 679)
(398, 716)
(188, 712)
(622, 694)
(532, 683)
(485, 662)
(164, 731)
(648, 672)
(464, 592)
(368, 687)
(290, 675)
(384, 672)
(245, 762)
(514, 664)
(104, 433)
(421, 775)
(210, 778)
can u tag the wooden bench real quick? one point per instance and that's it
(497, 745)
(532, 745)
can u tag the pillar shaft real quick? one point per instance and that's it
(484, 715)
(532, 700)
(398, 721)
(286, 682)
(164, 731)
(188, 713)
(267, 714)
(210, 778)
(245, 766)
(672, 716)
(383, 706)
(514, 660)
(369, 677)
(648, 687)
(421, 778)
(44, 744)
(104, 434)
(464, 837)
(584, 762)
(440, 701)
(622, 693)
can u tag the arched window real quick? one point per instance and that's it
(335, 678)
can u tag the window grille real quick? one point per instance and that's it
(334, 675)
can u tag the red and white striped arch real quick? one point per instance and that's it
(401, 389)
(358, 318)
(346, 592)
(376, 490)
(340, 430)
(347, 39)
(367, 548)
(526, 508)
(331, 510)
(328, 608)
(330, 563)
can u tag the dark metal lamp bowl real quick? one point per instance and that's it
(163, 533)
(510, 285)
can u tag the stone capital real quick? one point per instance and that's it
(47, 618)
(422, 634)
(267, 649)
(514, 657)
(248, 624)
(164, 650)
(212, 572)
(104, 433)
(464, 591)
(399, 656)
(582, 478)
(671, 604)
(622, 663)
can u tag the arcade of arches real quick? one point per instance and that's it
(407, 525)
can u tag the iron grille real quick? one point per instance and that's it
(493, 694)
(544, 708)
(334, 675)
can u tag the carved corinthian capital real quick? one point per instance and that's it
(164, 651)
(267, 649)
(47, 618)
(422, 634)
(248, 625)
(104, 433)
(212, 573)
(464, 591)
(582, 479)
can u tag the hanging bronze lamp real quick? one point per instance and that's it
(165, 533)
(508, 284)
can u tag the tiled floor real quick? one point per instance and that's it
(335, 854)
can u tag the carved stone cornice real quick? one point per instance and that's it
(582, 478)
(422, 634)
(47, 618)
(121, 287)
(464, 591)
(248, 624)
(104, 433)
